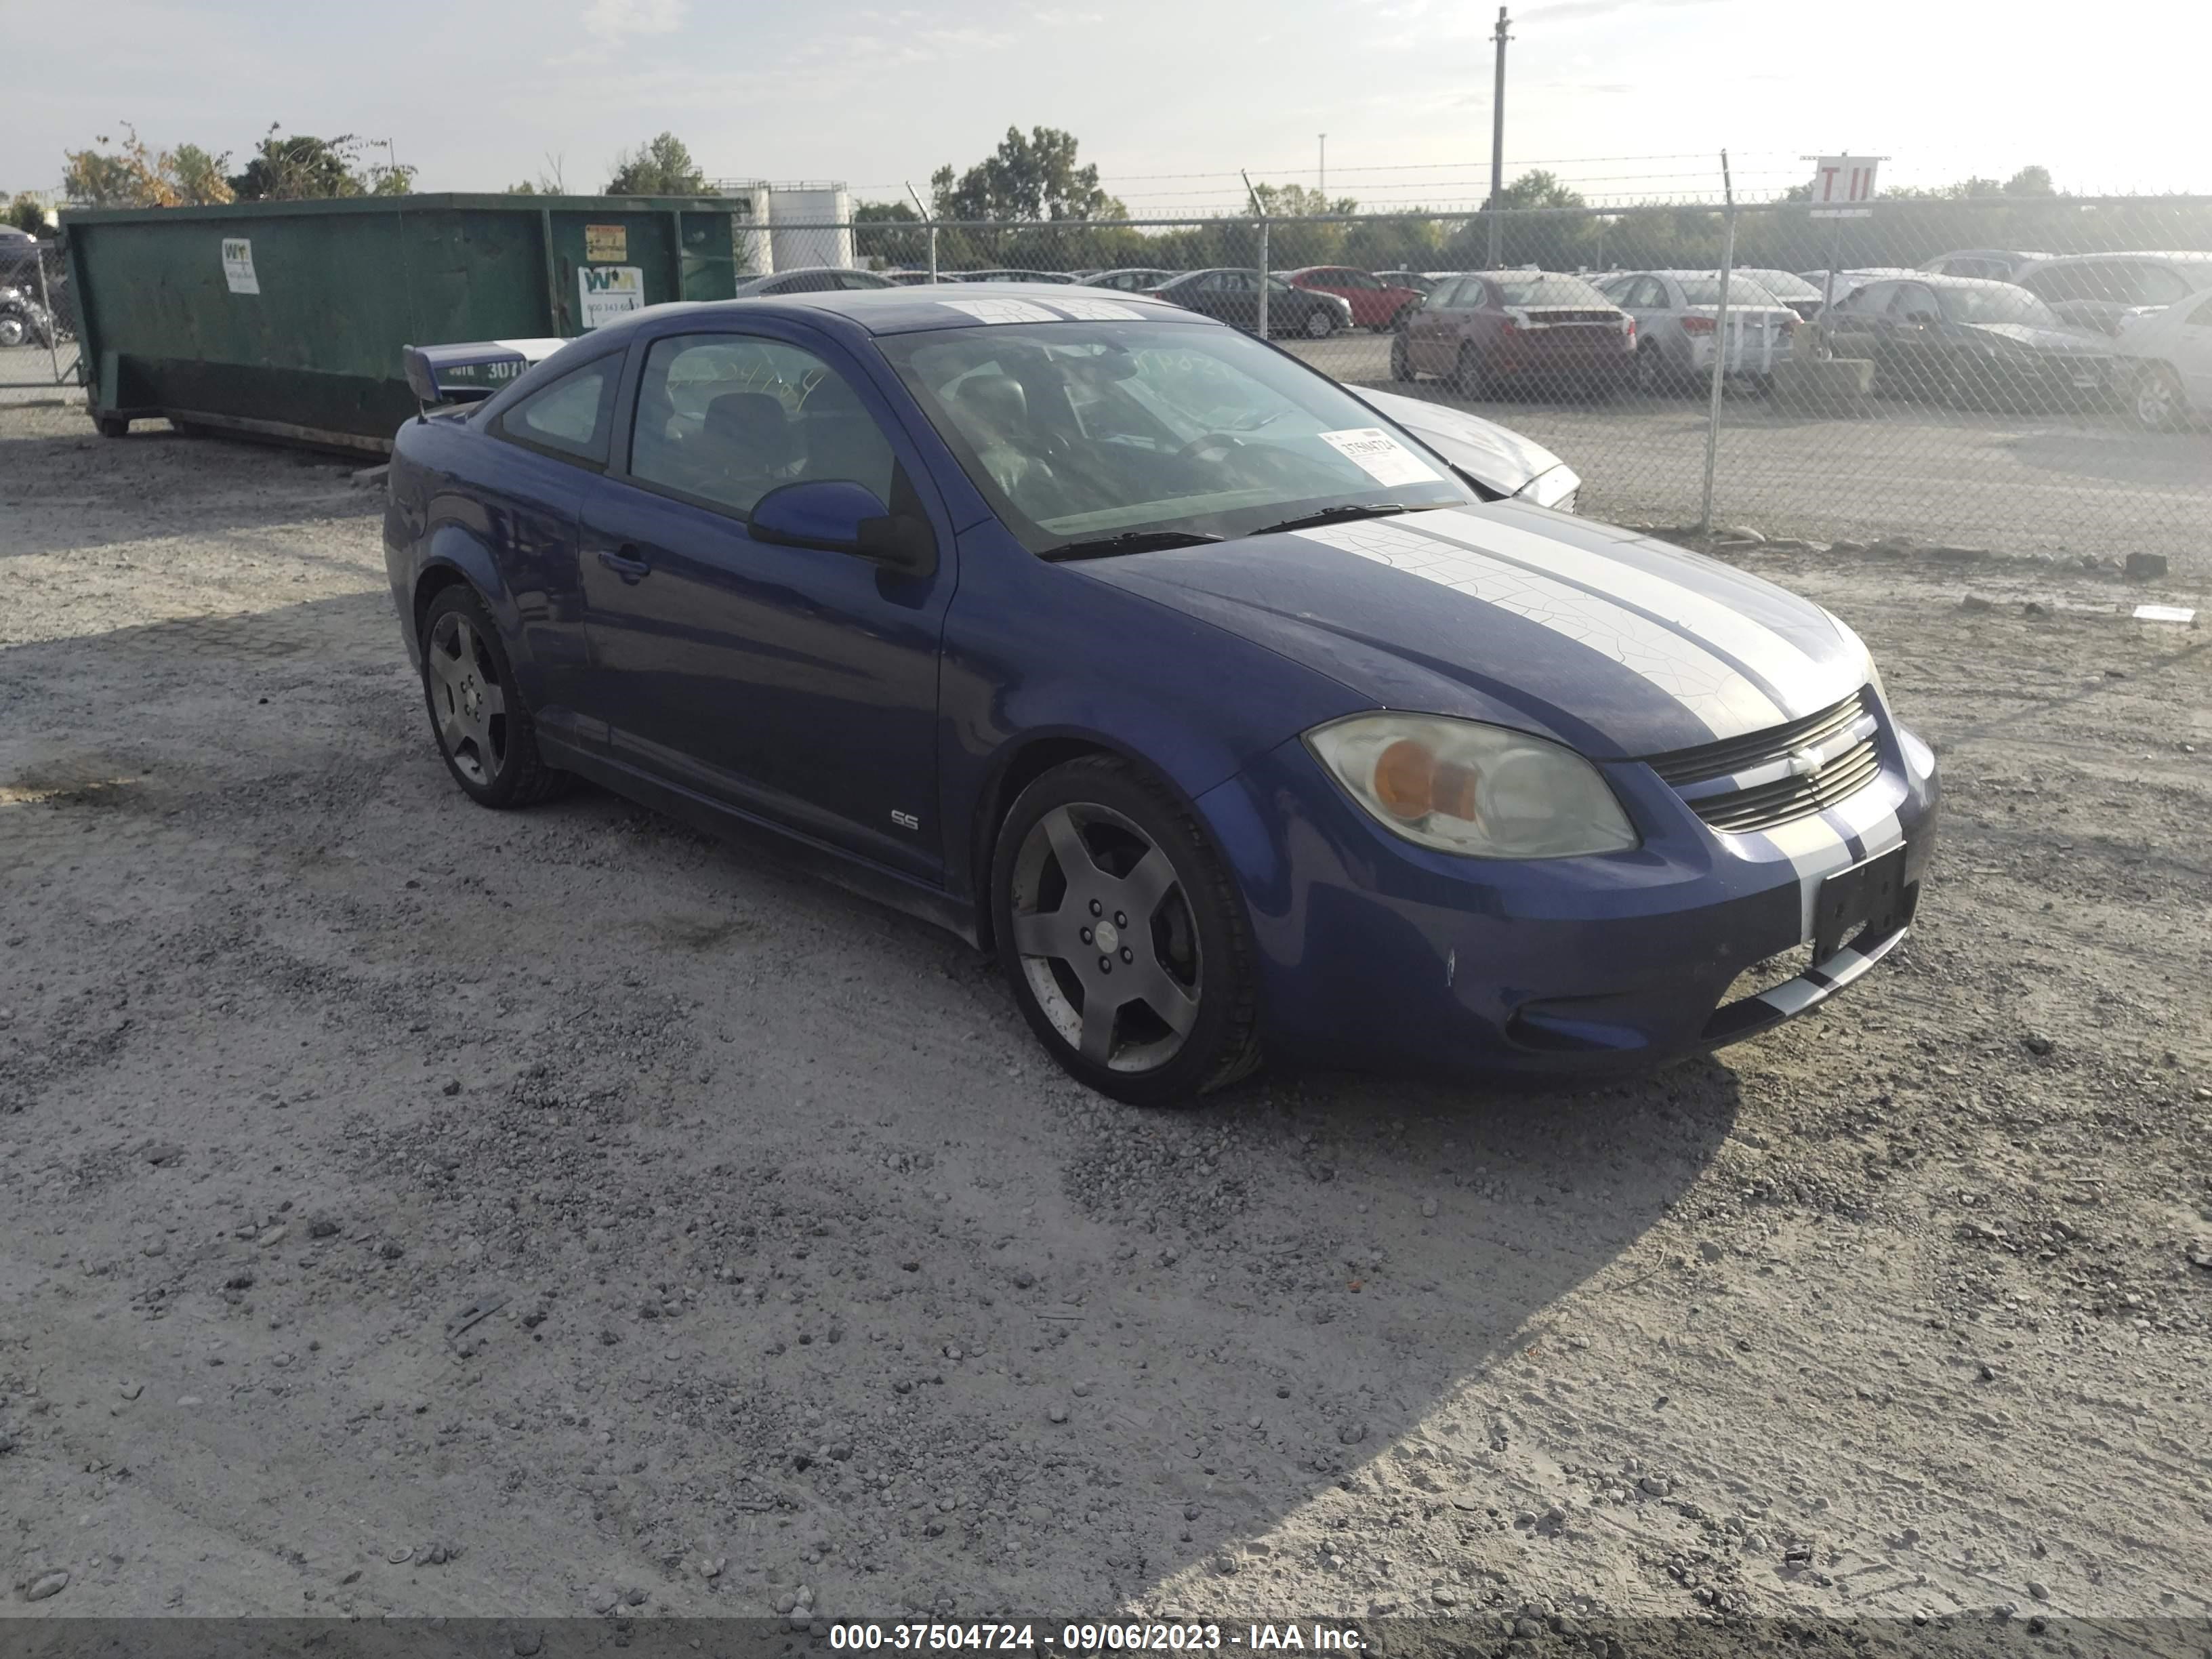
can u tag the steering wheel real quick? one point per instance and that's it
(1226, 443)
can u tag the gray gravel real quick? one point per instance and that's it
(805, 1248)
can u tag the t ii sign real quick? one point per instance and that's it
(1843, 186)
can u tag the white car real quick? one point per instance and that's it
(1495, 458)
(1675, 313)
(2103, 291)
(2162, 364)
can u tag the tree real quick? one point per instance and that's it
(299, 168)
(662, 167)
(1296, 201)
(27, 212)
(1031, 177)
(2030, 181)
(138, 175)
(882, 244)
(1539, 188)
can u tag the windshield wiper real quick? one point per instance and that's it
(1335, 515)
(1129, 541)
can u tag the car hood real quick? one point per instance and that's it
(1613, 644)
(2061, 341)
(1501, 460)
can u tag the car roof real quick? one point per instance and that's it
(1943, 279)
(910, 310)
(2184, 256)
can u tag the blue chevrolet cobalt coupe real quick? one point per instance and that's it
(1234, 716)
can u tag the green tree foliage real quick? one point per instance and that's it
(879, 240)
(300, 167)
(2030, 181)
(661, 167)
(134, 174)
(1031, 177)
(26, 212)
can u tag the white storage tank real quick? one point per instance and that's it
(750, 239)
(810, 224)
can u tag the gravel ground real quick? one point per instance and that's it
(2083, 484)
(407, 1208)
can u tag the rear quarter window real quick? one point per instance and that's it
(569, 418)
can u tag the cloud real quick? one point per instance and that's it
(613, 20)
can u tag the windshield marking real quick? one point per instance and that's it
(1380, 456)
(1001, 311)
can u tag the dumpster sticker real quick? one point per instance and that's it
(609, 292)
(237, 265)
(606, 245)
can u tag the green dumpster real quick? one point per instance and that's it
(285, 320)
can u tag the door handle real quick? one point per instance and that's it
(626, 564)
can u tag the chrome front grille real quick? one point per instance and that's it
(1743, 785)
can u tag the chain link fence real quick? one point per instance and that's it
(2014, 375)
(38, 318)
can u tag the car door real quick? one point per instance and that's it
(2192, 354)
(790, 683)
(1856, 322)
(1235, 298)
(1429, 331)
(1915, 350)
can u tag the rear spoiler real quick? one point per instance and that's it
(467, 373)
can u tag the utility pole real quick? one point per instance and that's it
(1498, 136)
(1320, 174)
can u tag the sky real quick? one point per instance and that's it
(1627, 99)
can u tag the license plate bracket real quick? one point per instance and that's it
(1868, 896)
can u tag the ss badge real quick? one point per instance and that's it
(905, 820)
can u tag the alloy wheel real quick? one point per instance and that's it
(2158, 401)
(1106, 937)
(1319, 323)
(465, 697)
(12, 331)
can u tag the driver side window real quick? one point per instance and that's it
(722, 419)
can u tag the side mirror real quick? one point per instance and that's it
(841, 517)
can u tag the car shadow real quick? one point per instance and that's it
(1081, 1349)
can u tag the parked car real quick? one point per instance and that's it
(24, 320)
(1497, 460)
(908, 278)
(1230, 293)
(1214, 703)
(1998, 264)
(1969, 342)
(813, 279)
(1485, 331)
(1375, 303)
(1007, 276)
(1677, 313)
(2163, 369)
(1848, 280)
(1134, 279)
(1420, 280)
(2102, 290)
(1787, 286)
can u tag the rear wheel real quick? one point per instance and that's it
(1122, 936)
(1401, 360)
(483, 728)
(2158, 402)
(1467, 371)
(1651, 370)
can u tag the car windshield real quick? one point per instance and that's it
(1549, 290)
(1742, 291)
(1076, 432)
(1999, 302)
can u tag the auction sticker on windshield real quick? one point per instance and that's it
(1002, 311)
(1381, 456)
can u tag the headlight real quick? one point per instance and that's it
(1479, 790)
(1555, 488)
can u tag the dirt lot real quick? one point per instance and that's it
(810, 1285)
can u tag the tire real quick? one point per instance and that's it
(1078, 853)
(1320, 323)
(112, 426)
(1650, 374)
(1467, 371)
(1401, 360)
(14, 329)
(2157, 400)
(482, 727)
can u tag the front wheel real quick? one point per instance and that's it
(2158, 402)
(1321, 323)
(14, 330)
(1467, 371)
(1122, 936)
(483, 728)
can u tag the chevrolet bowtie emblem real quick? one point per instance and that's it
(1804, 763)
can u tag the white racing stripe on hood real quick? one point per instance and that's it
(1816, 849)
(1804, 685)
(1729, 704)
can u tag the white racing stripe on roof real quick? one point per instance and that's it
(1728, 705)
(1805, 684)
(1096, 311)
(536, 350)
(1002, 311)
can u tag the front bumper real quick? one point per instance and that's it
(1378, 953)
